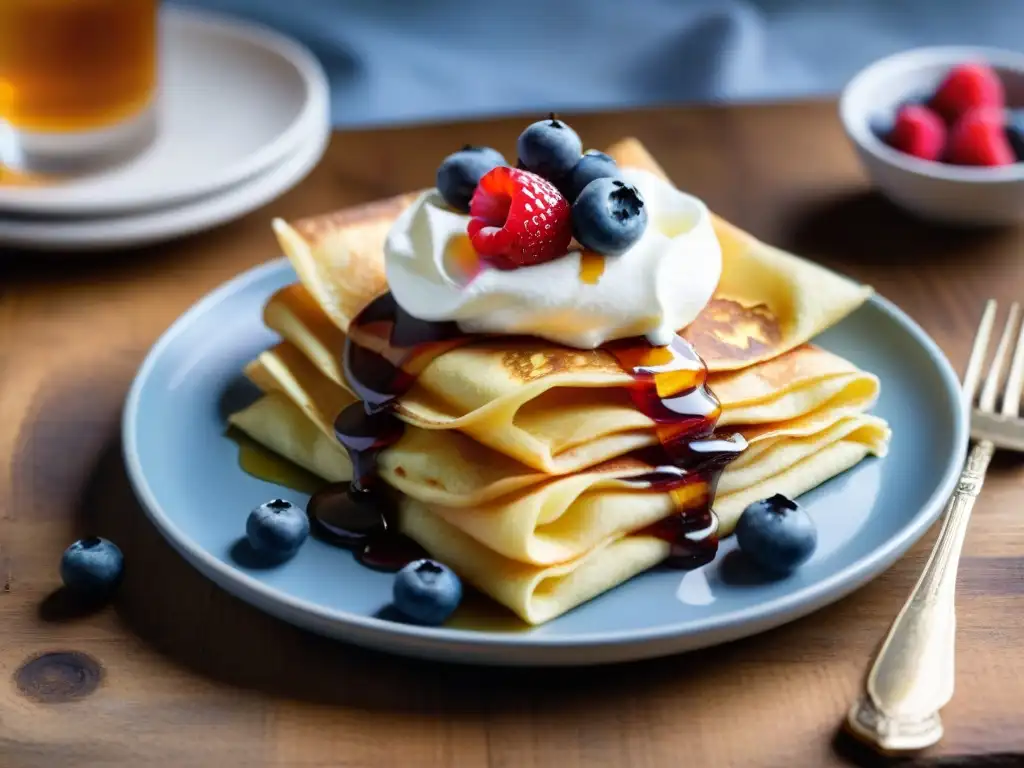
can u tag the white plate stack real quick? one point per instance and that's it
(244, 116)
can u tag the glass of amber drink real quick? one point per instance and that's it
(78, 83)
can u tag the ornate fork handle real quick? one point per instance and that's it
(912, 677)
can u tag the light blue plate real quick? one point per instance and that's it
(186, 472)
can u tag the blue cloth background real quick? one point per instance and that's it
(396, 61)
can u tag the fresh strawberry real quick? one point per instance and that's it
(966, 87)
(519, 219)
(919, 132)
(979, 138)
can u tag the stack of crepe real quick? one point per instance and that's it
(514, 463)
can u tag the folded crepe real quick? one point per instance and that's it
(552, 408)
(516, 464)
(510, 506)
(808, 390)
(555, 543)
(536, 595)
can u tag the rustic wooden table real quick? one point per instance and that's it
(177, 673)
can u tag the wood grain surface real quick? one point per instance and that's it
(178, 673)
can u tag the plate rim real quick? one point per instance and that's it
(315, 109)
(438, 641)
(226, 205)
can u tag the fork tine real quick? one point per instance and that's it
(1015, 379)
(995, 373)
(973, 373)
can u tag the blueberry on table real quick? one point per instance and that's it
(777, 534)
(549, 148)
(609, 216)
(427, 592)
(277, 529)
(461, 171)
(593, 165)
(92, 567)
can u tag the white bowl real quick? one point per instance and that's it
(947, 193)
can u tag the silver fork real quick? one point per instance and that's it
(912, 676)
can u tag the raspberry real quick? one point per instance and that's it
(919, 132)
(967, 87)
(978, 138)
(519, 219)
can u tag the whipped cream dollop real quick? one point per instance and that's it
(654, 289)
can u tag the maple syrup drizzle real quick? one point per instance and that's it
(670, 388)
(385, 351)
(693, 531)
(591, 267)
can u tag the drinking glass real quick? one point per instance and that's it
(78, 83)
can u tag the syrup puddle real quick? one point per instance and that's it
(263, 464)
(478, 613)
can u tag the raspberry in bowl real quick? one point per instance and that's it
(937, 132)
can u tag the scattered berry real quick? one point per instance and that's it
(966, 87)
(519, 219)
(460, 172)
(549, 148)
(609, 216)
(92, 567)
(277, 528)
(979, 138)
(593, 165)
(777, 534)
(427, 592)
(918, 131)
(1014, 130)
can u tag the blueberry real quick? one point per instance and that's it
(1015, 132)
(921, 98)
(593, 165)
(549, 148)
(609, 216)
(92, 567)
(881, 127)
(776, 533)
(461, 171)
(277, 528)
(427, 592)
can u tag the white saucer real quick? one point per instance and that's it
(147, 227)
(236, 99)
